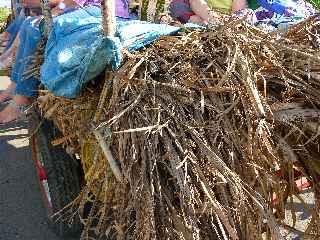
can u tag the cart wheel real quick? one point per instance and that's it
(59, 174)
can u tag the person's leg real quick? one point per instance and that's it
(7, 57)
(5, 62)
(12, 111)
(4, 37)
(25, 45)
(13, 30)
(26, 89)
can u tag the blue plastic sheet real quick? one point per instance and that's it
(77, 51)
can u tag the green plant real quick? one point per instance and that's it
(316, 3)
(4, 13)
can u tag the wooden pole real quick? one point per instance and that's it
(13, 9)
(108, 9)
(46, 11)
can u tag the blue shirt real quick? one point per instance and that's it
(277, 6)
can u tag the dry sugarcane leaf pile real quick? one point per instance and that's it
(199, 123)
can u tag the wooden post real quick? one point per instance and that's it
(13, 9)
(46, 11)
(108, 9)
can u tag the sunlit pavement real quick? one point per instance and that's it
(22, 216)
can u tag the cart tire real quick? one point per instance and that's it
(59, 174)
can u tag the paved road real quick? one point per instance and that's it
(22, 216)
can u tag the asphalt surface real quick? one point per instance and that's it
(22, 215)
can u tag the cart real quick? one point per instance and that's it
(61, 174)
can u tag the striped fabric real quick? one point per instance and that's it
(180, 10)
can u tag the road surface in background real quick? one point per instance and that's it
(22, 216)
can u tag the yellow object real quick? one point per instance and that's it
(222, 5)
(4, 73)
(87, 152)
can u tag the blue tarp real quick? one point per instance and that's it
(77, 51)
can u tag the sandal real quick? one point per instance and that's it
(23, 112)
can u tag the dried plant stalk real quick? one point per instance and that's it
(200, 122)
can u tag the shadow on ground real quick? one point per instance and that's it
(22, 214)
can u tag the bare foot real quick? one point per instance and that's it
(12, 111)
(9, 114)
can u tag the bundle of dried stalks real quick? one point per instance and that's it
(198, 123)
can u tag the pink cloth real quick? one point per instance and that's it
(122, 6)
